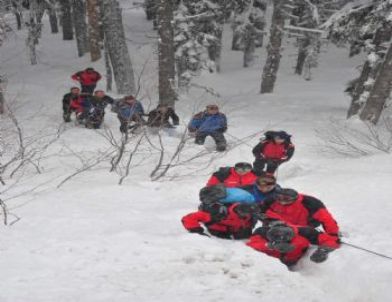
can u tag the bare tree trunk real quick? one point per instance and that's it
(108, 67)
(93, 13)
(117, 47)
(302, 53)
(66, 20)
(51, 7)
(271, 67)
(79, 22)
(380, 92)
(383, 34)
(249, 44)
(2, 99)
(167, 95)
(215, 50)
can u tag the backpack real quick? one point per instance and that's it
(222, 174)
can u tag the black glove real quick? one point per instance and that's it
(199, 231)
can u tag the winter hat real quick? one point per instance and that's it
(243, 166)
(212, 194)
(279, 237)
(288, 195)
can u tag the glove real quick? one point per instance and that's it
(198, 230)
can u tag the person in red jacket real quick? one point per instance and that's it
(88, 79)
(286, 242)
(233, 177)
(233, 221)
(305, 211)
(272, 151)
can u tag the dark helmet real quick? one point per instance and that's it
(212, 194)
(286, 195)
(245, 209)
(279, 237)
(217, 210)
(243, 166)
(89, 69)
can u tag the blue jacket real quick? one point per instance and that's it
(259, 196)
(126, 111)
(208, 123)
(237, 195)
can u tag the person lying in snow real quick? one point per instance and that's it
(289, 243)
(212, 123)
(275, 149)
(159, 117)
(301, 210)
(88, 79)
(129, 110)
(238, 176)
(223, 220)
(264, 187)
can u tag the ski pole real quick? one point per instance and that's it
(366, 250)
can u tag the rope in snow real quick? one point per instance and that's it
(366, 250)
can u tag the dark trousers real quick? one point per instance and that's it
(125, 123)
(218, 137)
(88, 88)
(67, 110)
(260, 164)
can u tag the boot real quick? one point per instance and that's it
(321, 254)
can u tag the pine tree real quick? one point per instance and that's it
(66, 20)
(93, 13)
(167, 93)
(79, 22)
(117, 48)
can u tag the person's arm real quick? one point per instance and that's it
(289, 152)
(319, 212)
(98, 76)
(257, 150)
(76, 76)
(213, 181)
(195, 122)
(192, 222)
(223, 125)
(174, 117)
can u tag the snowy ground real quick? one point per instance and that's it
(93, 240)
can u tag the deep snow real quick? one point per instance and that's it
(93, 240)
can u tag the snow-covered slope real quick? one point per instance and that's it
(93, 240)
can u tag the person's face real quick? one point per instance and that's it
(243, 171)
(75, 91)
(266, 186)
(279, 140)
(100, 94)
(285, 200)
(212, 109)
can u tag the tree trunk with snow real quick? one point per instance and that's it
(271, 66)
(249, 44)
(383, 34)
(51, 7)
(94, 29)
(380, 92)
(167, 94)
(117, 47)
(66, 19)
(108, 68)
(79, 22)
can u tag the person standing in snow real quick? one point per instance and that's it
(159, 117)
(275, 149)
(264, 187)
(304, 211)
(72, 97)
(129, 110)
(212, 123)
(238, 176)
(88, 79)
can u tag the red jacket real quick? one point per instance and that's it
(77, 105)
(85, 78)
(230, 178)
(305, 211)
(268, 149)
(232, 224)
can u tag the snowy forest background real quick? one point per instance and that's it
(95, 215)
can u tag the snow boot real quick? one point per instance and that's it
(321, 254)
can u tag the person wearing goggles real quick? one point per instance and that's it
(264, 187)
(212, 123)
(233, 177)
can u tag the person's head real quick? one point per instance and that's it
(130, 99)
(245, 210)
(242, 168)
(99, 93)
(286, 196)
(266, 183)
(75, 90)
(90, 69)
(280, 236)
(280, 137)
(162, 108)
(212, 109)
(212, 194)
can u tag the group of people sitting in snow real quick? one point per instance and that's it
(89, 105)
(236, 198)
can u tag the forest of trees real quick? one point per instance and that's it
(190, 39)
